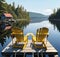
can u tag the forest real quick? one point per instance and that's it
(55, 18)
(55, 15)
(17, 12)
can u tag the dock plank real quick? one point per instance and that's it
(9, 49)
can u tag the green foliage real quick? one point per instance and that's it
(55, 15)
(3, 7)
(18, 13)
(2, 0)
(55, 19)
(3, 34)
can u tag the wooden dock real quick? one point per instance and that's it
(10, 51)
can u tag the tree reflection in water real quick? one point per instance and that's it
(56, 23)
(3, 34)
(21, 24)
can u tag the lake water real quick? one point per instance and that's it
(54, 34)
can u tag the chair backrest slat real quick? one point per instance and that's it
(18, 33)
(41, 34)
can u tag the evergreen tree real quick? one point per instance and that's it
(3, 7)
(55, 15)
(18, 13)
(2, 0)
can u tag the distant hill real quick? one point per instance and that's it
(37, 17)
(33, 14)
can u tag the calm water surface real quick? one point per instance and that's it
(54, 34)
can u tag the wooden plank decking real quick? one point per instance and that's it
(10, 50)
(28, 49)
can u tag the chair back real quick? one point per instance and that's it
(18, 33)
(41, 34)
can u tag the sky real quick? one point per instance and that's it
(40, 6)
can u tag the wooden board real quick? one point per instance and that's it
(9, 50)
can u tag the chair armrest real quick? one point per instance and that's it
(34, 39)
(25, 39)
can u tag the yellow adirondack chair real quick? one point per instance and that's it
(39, 41)
(21, 40)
